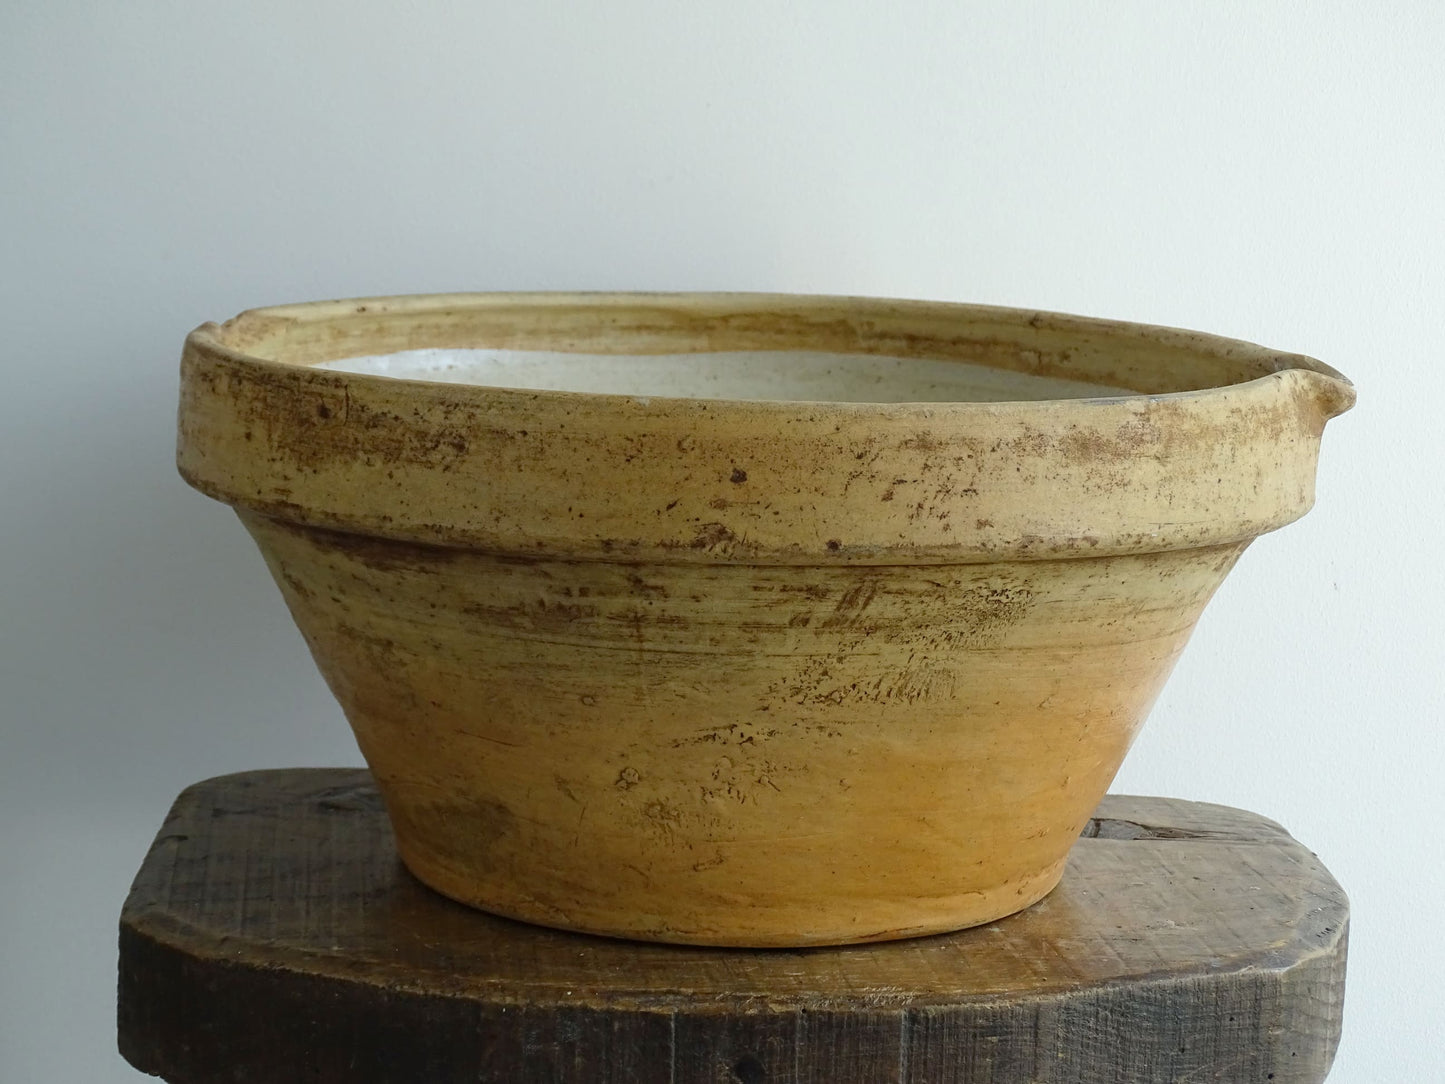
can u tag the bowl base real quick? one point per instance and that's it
(750, 926)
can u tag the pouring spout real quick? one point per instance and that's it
(1327, 392)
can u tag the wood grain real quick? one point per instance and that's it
(273, 935)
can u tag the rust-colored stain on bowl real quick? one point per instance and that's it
(745, 671)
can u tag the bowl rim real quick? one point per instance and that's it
(1335, 391)
(617, 477)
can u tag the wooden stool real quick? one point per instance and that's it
(272, 935)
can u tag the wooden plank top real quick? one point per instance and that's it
(272, 934)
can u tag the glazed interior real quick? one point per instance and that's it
(750, 347)
(765, 375)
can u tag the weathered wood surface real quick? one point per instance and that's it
(272, 935)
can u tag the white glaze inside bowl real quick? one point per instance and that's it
(776, 375)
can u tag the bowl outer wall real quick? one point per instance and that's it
(738, 755)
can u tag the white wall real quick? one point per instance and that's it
(1273, 171)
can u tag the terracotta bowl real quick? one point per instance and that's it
(742, 619)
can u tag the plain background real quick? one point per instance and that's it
(1274, 172)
